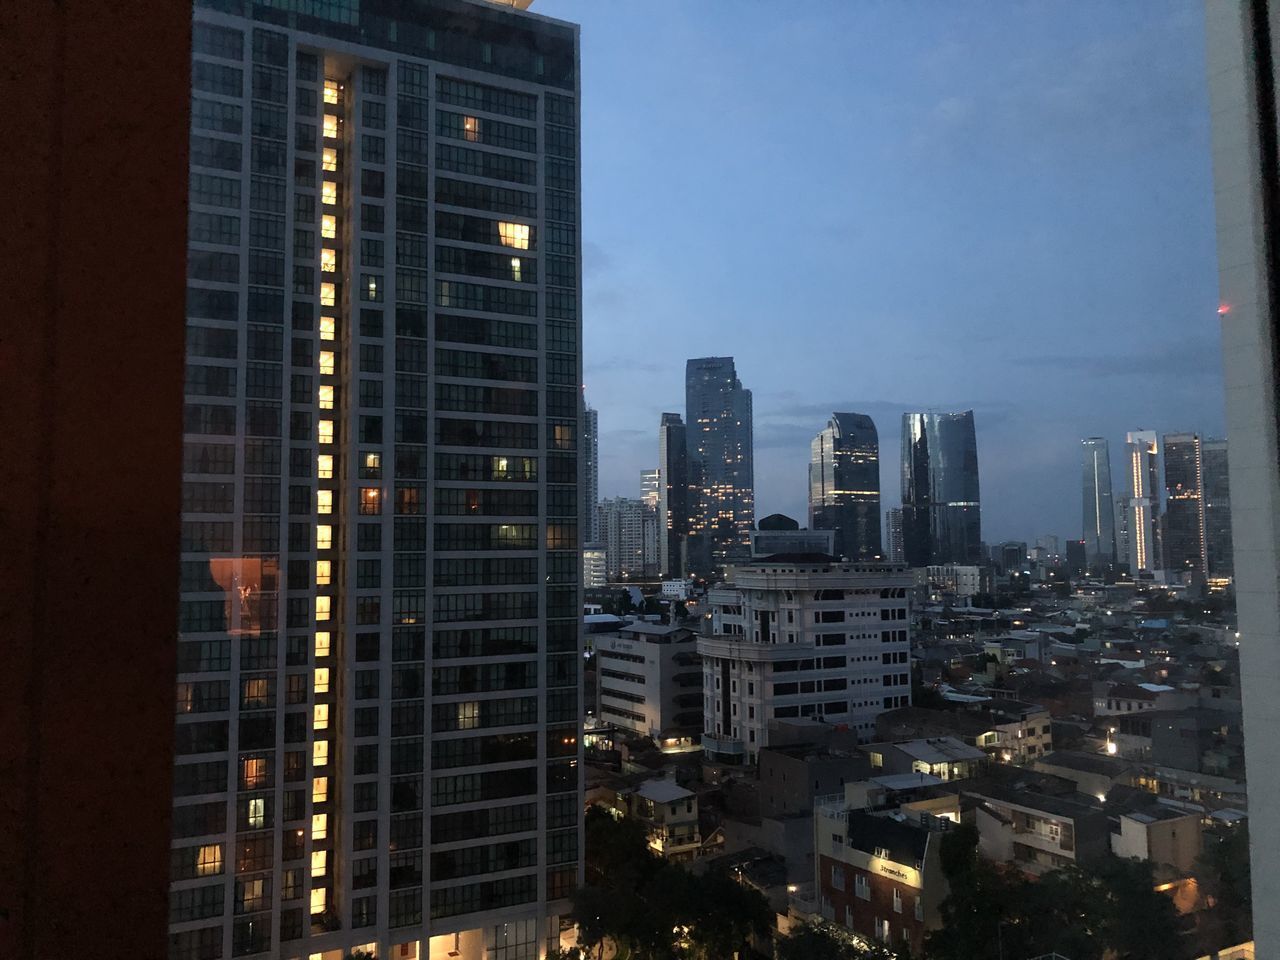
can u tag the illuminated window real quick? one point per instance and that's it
(513, 235)
(373, 461)
(320, 753)
(320, 717)
(328, 225)
(320, 790)
(371, 292)
(324, 431)
(257, 813)
(471, 128)
(255, 773)
(330, 126)
(324, 501)
(370, 501)
(515, 268)
(329, 159)
(322, 607)
(328, 193)
(324, 466)
(317, 893)
(319, 862)
(319, 826)
(329, 261)
(255, 693)
(209, 860)
(322, 680)
(324, 537)
(331, 89)
(328, 294)
(322, 641)
(327, 362)
(326, 396)
(324, 571)
(328, 328)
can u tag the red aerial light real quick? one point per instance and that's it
(1224, 309)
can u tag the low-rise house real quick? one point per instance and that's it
(1012, 731)
(1167, 837)
(879, 874)
(1092, 773)
(943, 757)
(1037, 823)
(670, 814)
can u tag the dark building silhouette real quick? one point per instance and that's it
(673, 494)
(941, 510)
(844, 485)
(1184, 503)
(721, 466)
(1217, 509)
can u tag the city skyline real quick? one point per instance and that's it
(1111, 149)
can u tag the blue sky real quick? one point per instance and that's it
(880, 206)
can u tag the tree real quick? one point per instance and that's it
(1222, 872)
(725, 914)
(819, 942)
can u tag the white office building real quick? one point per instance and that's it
(802, 636)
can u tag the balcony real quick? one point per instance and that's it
(723, 746)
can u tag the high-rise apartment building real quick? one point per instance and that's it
(1184, 514)
(803, 636)
(649, 488)
(382, 485)
(591, 472)
(673, 495)
(1217, 509)
(844, 485)
(1145, 528)
(630, 531)
(1098, 505)
(893, 534)
(718, 439)
(1243, 70)
(941, 507)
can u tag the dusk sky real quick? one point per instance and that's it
(885, 206)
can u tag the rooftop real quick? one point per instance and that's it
(662, 791)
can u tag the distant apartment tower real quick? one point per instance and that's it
(630, 530)
(673, 495)
(1099, 505)
(382, 484)
(941, 509)
(591, 472)
(594, 566)
(844, 485)
(718, 438)
(649, 488)
(1184, 513)
(1142, 506)
(803, 636)
(893, 534)
(1217, 509)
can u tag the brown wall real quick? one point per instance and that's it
(880, 905)
(91, 346)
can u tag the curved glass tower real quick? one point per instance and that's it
(844, 485)
(720, 463)
(941, 509)
(1099, 505)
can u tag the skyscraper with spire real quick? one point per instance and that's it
(1099, 532)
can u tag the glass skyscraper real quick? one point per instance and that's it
(1184, 533)
(721, 466)
(941, 506)
(1099, 505)
(844, 485)
(378, 699)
